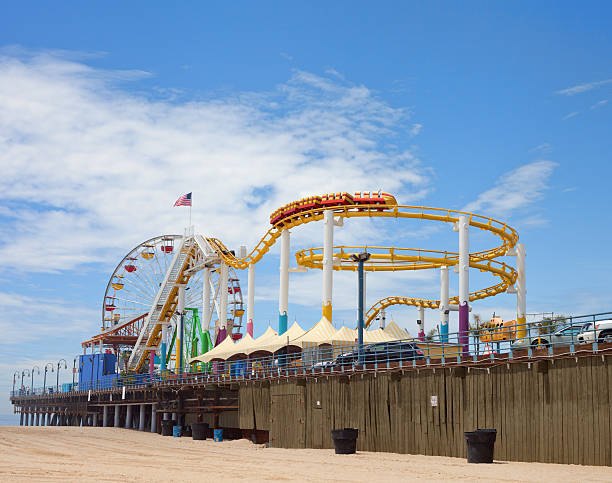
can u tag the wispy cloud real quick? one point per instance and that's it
(543, 148)
(598, 104)
(580, 88)
(515, 190)
(570, 115)
(103, 175)
(416, 129)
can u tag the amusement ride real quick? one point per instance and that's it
(174, 297)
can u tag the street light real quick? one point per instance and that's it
(23, 373)
(32, 384)
(16, 373)
(74, 369)
(59, 363)
(360, 258)
(45, 380)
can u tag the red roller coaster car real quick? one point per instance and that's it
(330, 200)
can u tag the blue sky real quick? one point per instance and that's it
(109, 112)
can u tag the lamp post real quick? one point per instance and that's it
(59, 364)
(360, 258)
(16, 373)
(32, 383)
(45, 379)
(74, 369)
(25, 372)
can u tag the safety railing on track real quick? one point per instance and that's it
(554, 337)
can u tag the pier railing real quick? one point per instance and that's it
(552, 337)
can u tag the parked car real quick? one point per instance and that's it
(566, 335)
(382, 352)
(598, 331)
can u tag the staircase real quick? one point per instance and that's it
(162, 308)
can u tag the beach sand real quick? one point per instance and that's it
(109, 454)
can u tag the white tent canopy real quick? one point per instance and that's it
(278, 342)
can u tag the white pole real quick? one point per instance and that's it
(421, 323)
(521, 291)
(283, 298)
(223, 294)
(444, 302)
(464, 282)
(206, 307)
(251, 299)
(328, 267)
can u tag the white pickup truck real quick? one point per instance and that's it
(598, 331)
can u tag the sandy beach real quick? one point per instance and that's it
(109, 454)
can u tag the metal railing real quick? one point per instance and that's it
(551, 337)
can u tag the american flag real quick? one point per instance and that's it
(184, 200)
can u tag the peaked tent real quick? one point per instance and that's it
(378, 335)
(396, 331)
(261, 341)
(279, 341)
(224, 350)
(242, 345)
(321, 333)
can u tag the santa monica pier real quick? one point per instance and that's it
(176, 355)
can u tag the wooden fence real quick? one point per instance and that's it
(548, 411)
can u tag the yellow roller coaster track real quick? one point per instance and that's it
(389, 258)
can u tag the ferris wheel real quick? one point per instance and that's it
(133, 286)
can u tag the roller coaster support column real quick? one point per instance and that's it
(521, 292)
(421, 323)
(360, 259)
(283, 299)
(223, 294)
(464, 283)
(181, 332)
(444, 303)
(328, 263)
(206, 308)
(251, 299)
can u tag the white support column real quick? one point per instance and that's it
(521, 291)
(105, 417)
(444, 303)
(251, 299)
(283, 298)
(206, 307)
(223, 295)
(464, 282)
(328, 262)
(421, 323)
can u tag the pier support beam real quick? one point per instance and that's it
(141, 418)
(117, 414)
(128, 417)
(153, 418)
(95, 420)
(283, 298)
(105, 417)
(20, 419)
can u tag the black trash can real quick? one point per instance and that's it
(199, 430)
(167, 426)
(480, 445)
(345, 440)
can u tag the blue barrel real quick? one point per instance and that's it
(218, 435)
(176, 431)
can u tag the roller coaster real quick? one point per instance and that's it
(204, 269)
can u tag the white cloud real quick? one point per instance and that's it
(598, 104)
(543, 148)
(569, 116)
(90, 168)
(416, 129)
(514, 190)
(580, 88)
